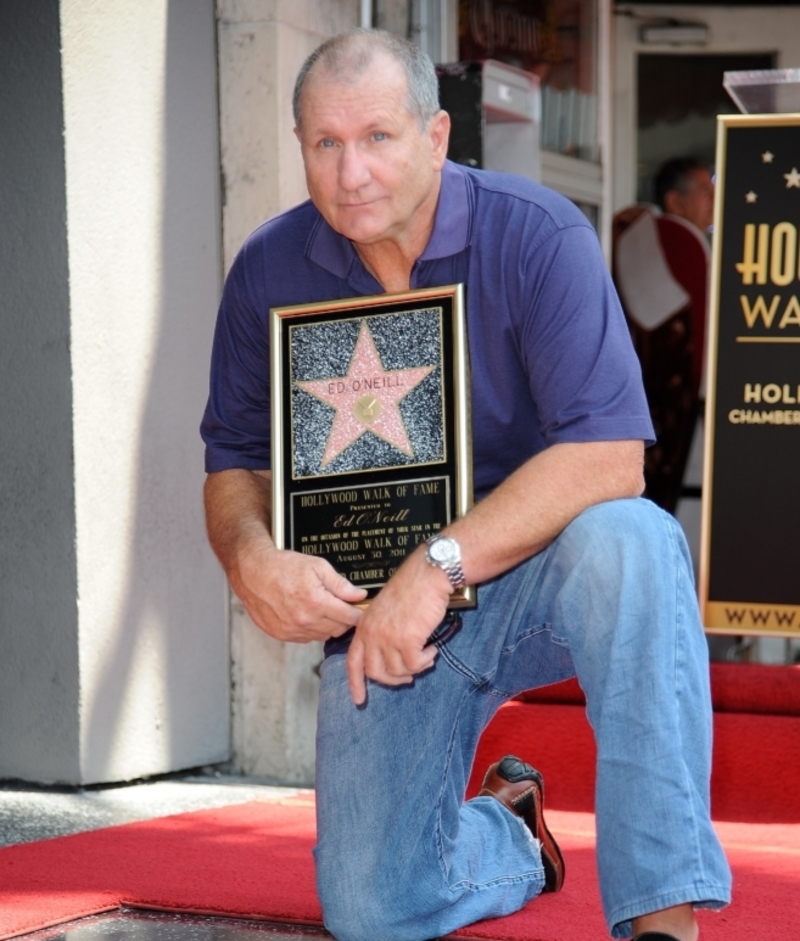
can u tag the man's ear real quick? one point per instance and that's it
(297, 134)
(439, 131)
(673, 202)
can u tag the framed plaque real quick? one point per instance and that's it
(371, 445)
(749, 582)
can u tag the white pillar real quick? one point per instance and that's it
(262, 44)
(122, 632)
(39, 682)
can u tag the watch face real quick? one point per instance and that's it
(443, 550)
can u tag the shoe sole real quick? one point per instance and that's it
(552, 860)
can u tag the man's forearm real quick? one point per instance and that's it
(529, 509)
(238, 507)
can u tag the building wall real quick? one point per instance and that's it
(262, 44)
(115, 648)
(758, 28)
(39, 688)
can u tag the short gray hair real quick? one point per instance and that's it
(352, 52)
(675, 174)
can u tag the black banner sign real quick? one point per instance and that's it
(750, 583)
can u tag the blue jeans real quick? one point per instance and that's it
(402, 857)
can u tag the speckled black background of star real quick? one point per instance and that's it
(755, 496)
(324, 351)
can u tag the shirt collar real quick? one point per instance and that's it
(452, 229)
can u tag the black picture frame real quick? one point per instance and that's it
(371, 442)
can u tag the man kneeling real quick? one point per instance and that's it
(577, 574)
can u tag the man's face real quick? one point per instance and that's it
(371, 170)
(696, 203)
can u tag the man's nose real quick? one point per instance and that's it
(353, 169)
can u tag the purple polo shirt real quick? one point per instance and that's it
(550, 355)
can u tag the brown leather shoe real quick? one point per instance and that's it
(520, 788)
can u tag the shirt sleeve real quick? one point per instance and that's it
(236, 425)
(583, 372)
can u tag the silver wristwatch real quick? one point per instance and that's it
(445, 553)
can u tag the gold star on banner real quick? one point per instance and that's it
(751, 197)
(767, 157)
(792, 179)
(366, 399)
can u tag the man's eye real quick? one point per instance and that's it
(326, 142)
(379, 135)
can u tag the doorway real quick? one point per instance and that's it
(679, 97)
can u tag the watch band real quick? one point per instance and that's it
(451, 566)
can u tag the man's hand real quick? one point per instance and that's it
(290, 596)
(390, 640)
(294, 597)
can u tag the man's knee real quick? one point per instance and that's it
(618, 532)
(361, 916)
(354, 905)
(613, 563)
(346, 918)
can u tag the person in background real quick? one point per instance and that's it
(660, 264)
(684, 187)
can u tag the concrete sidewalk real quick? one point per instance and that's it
(30, 812)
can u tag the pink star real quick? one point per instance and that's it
(366, 399)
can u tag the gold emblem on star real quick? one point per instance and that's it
(367, 409)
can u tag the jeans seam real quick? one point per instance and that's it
(528, 876)
(680, 631)
(539, 629)
(481, 684)
(459, 666)
(442, 784)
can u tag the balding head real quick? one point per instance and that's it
(345, 59)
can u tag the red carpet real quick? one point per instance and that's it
(254, 860)
(756, 769)
(756, 763)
